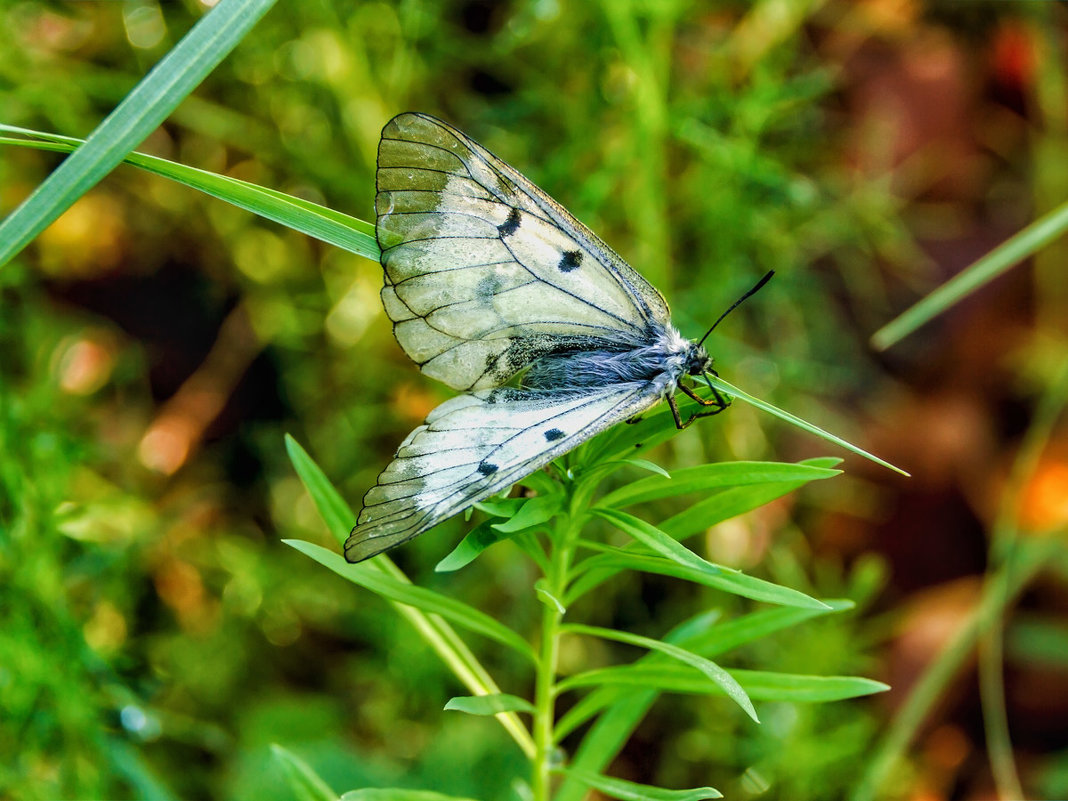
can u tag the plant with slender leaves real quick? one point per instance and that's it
(579, 538)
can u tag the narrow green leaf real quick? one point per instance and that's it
(1010, 252)
(698, 636)
(139, 113)
(710, 669)
(730, 503)
(591, 473)
(712, 476)
(534, 512)
(632, 791)
(723, 505)
(726, 579)
(505, 507)
(320, 222)
(759, 685)
(694, 626)
(794, 420)
(489, 704)
(771, 686)
(646, 465)
(627, 707)
(547, 597)
(458, 613)
(756, 625)
(303, 781)
(331, 506)
(520, 514)
(624, 441)
(659, 677)
(541, 482)
(398, 794)
(470, 547)
(437, 633)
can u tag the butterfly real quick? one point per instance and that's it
(486, 276)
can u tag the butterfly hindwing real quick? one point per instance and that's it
(484, 272)
(476, 445)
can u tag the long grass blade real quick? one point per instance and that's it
(793, 419)
(320, 222)
(140, 112)
(1009, 253)
(437, 633)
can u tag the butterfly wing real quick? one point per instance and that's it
(484, 272)
(476, 445)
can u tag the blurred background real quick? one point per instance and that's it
(155, 345)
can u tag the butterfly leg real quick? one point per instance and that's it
(718, 401)
(675, 413)
(678, 419)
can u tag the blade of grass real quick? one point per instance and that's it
(1000, 590)
(1003, 546)
(733, 391)
(320, 222)
(456, 612)
(435, 631)
(1009, 253)
(1013, 561)
(140, 112)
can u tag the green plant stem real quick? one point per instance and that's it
(454, 652)
(1004, 547)
(1014, 563)
(1000, 590)
(563, 544)
(995, 716)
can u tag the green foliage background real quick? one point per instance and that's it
(155, 636)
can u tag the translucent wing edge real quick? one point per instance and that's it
(371, 536)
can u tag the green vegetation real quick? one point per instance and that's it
(626, 621)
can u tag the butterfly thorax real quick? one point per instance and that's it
(662, 358)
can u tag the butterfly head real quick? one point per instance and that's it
(698, 362)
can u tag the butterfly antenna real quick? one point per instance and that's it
(737, 303)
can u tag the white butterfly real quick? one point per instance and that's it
(486, 276)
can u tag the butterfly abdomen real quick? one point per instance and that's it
(663, 360)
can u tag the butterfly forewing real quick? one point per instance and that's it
(484, 272)
(476, 445)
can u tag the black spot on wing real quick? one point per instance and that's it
(511, 225)
(570, 260)
(553, 434)
(487, 468)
